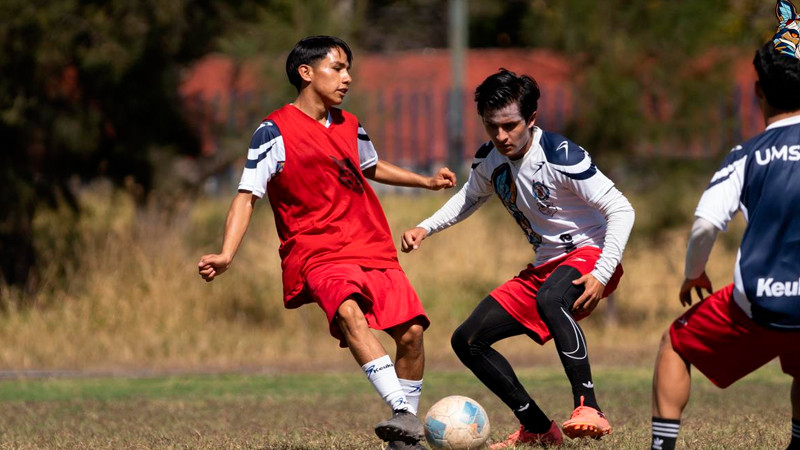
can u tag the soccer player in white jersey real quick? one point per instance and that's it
(578, 224)
(744, 325)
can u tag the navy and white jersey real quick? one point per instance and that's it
(556, 195)
(267, 156)
(762, 179)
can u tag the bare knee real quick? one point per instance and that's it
(350, 317)
(410, 337)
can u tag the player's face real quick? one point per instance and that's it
(509, 131)
(330, 77)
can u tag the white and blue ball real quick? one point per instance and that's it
(456, 423)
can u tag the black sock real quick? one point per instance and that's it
(580, 377)
(665, 433)
(532, 418)
(794, 444)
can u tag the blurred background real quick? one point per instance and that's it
(125, 125)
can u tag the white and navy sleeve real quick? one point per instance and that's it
(265, 159)
(367, 155)
(721, 199)
(467, 200)
(572, 167)
(716, 208)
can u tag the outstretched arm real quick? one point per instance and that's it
(388, 173)
(239, 215)
(459, 207)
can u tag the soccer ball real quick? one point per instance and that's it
(457, 423)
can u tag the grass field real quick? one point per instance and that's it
(338, 410)
(119, 293)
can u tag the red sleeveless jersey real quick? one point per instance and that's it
(325, 211)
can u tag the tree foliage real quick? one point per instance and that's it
(653, 70)
(89, 89)
(639, 65)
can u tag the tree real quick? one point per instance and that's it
(89, 89)
(646, 64)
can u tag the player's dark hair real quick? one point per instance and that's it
(779, 77)
(309, 51)
(505, 87)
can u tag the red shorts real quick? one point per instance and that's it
(518, 295)
(718, 338)
(385, 295)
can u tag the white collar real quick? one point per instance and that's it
(793, 120)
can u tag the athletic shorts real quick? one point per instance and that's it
(718, 338)
(385, 295)
(518, 295)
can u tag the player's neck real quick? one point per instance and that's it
(776, 116)
(312, 106)
(772, 114)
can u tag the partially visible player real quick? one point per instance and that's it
(311, 160)
(577, 222)
(742, 326)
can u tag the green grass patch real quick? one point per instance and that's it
(338, 410)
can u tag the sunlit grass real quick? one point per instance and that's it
(324, 411)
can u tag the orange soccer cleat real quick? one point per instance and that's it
(550, 438)
(586, 421)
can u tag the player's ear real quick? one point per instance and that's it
(532, 120)
(305, 72)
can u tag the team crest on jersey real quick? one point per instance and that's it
(348, 175)
(787, 37)
(506, 189)
(542, 194)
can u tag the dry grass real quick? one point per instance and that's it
(338, 411)
(132, 298)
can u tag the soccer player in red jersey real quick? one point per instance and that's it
(312, 160)
(756, 319)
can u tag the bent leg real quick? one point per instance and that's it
(410, 359)
(671, 382)
(554, 302)
(472, 342)
(671, 387)
(364, 346)
(370, 354)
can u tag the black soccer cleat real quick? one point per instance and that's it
(403, 426)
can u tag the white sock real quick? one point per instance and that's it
(412, 389)
(380, 372)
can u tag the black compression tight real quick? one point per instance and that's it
(490, 323)
(472, 342)
(554, 302)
